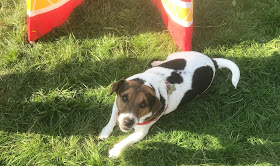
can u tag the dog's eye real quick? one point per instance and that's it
(143, 105)
(124, 98)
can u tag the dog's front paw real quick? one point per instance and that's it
(114, 152)
(105, 133)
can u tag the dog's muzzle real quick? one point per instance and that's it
(127, 122)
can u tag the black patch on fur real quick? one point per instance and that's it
(176, 64)
(141, 82)
(123, 88)
(175, 78)
(160, 111)
(162, 100)
(153, 88)
(215, 63)
(151, 99)
(202, 79)
(126, 86)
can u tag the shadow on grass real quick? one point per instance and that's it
(98, 18)
(221, 22)
(31, 101)
(164, 154)
(215, 22)
(72, 98)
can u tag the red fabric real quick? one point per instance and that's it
(41, 24)
(181, 35)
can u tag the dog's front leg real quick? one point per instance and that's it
(107, 130)
(139, 133)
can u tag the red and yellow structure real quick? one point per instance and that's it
(43, 15)
(178, 18)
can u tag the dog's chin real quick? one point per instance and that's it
(124, 128)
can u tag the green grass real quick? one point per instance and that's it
(54, 96)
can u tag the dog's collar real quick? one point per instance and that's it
(168, 87)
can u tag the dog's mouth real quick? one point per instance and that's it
(125, 128)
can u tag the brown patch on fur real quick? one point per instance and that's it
(156, 106)
(133, 96)
(117, 85)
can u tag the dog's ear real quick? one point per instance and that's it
(116, 85)
(157, 105)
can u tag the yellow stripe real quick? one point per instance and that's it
(182, 13)
(189, 17)
(29, 4)
(39, 9)
(33, 5)
(179, 11)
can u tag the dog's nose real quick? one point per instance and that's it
(128, 122)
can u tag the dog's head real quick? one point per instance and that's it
(135, 101)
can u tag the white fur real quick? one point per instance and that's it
(107, 130)
(139, 134)
(156, 78)
(224, 63)
(141, 120)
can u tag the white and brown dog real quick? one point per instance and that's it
(143, 98)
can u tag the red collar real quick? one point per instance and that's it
(167, 89)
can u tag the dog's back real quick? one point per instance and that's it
(190, 73)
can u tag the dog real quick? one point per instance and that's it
(143, 98)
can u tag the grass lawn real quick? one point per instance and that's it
(54, 96)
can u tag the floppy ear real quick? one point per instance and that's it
(116, 85)
(156, 107)
(155, 103)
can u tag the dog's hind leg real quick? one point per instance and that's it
(107, 130)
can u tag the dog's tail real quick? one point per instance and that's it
(224, 63)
